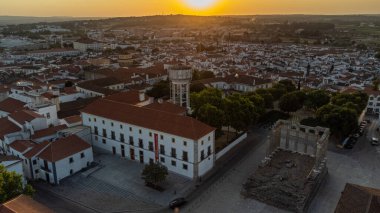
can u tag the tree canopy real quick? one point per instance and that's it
(160, 89)
(11, 185)
(292, 102)
(316, 99)
(154, 173)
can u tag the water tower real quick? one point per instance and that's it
(180, 79)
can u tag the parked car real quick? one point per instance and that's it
(375, 141)
(177, 202)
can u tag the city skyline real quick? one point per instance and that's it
(120, 8)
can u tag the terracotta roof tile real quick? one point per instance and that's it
(24, 115)
(48, 131)
(167, 107)
(7, 127)
(10, 105)
(73, 119)
(24, 204)
(22, 145)
(359, 199)
(36, 149)
(64, 148)
(129, 97)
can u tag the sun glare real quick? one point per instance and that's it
(200, 4)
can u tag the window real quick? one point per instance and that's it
(202, 143)
(122, 137)
(185, 156)
(48, 115)
(113, 135)
(141, 145)
(173, 153)
(71, 160)
(131, 140)
(208, 150)
(184, 166)
(111, 123)
(139, 131)
(150, 134)
(150, 146)
(184, 143)
(36, 171)
(209, 138)
(121, 126)
(71, 172)
(174, 163)
(96, 130)
(202, 155)
(94, 119)
(173, 140)
(34, 162)
(82, 155)
(104, 141)
(162, 137)
(162, 160)
(130, 129)
(89, 119)
(162, 149)
(104, 133)
(103, 122)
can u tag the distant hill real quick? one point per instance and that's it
(6, 20)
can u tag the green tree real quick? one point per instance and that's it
(210, 95)
(292, 102)
(11, 185)
(154, 173)
(197, 87)
(341, 120)
(377, 55)
(212, 116)
(239, 111)
(159, 90)
(287, 84)
(267, 96)
(316, 99)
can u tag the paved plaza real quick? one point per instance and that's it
(359, 165)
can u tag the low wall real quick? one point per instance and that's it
(230, 146)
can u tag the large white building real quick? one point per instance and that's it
(181, 143)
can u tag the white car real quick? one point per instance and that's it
(375, 141)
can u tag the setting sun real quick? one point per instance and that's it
(200, 4)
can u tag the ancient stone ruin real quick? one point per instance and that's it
(294, 168)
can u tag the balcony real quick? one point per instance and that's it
(45, 169)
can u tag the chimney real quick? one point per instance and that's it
(141, 95)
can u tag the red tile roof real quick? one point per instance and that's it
(359, 199)
(48, 131)
(167, 107)
(73, 119)
(23, 204)
(24, 115)
(7, 127)
(22, 145)
(64, 148)
(10, 105)
(183, 126)
(129, 97)
(36, 149)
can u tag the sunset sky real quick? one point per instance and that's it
(111, 8)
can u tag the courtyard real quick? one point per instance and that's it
(116, 186)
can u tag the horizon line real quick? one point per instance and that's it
(176, 14)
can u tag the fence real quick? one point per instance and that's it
(230, 146)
